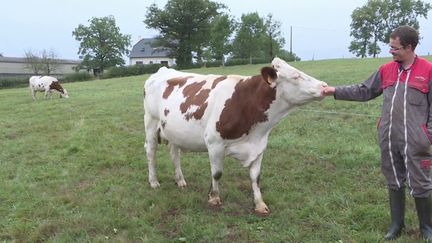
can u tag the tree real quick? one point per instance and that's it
(275, 39)
(102, 45)
(49, 61)
(288, 56)
(221, 29)
(250, 37)
(33, 62)
(184, 26)
(403, 12)
(46, 62)
(374, 22)
(258, 38)
(361, 31)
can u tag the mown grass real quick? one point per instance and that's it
(74, 170)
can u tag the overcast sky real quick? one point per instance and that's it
(320, 28)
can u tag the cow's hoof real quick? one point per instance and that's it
(215, 201)
(181, 183)
(154, 184)
(262, 210)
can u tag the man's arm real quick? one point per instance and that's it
(367, 90)
(429, 97)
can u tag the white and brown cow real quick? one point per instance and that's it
(223, 115)
(46, 84)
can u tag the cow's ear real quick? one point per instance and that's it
(269, 74)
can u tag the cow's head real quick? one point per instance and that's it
(64, 94)
(295, 86)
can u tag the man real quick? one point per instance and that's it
(405, 127)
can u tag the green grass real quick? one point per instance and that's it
(74, 170)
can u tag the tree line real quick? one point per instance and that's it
(373, 23)
(201, 31)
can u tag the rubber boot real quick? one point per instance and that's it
(424, 210)
(397, 212)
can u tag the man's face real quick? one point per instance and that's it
(399, 52)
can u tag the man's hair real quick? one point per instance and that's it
(407, 36)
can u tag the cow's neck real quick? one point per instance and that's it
(279, 109)
(247, 108)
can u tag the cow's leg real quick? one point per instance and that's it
(151, 129)
(254, 172)
(216, 155)
(33, 93)
(175, 157)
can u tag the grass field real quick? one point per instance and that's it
(74, 170)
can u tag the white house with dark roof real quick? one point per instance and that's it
(143, 53)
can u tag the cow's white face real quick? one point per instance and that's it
(65, 94)
(297, 87)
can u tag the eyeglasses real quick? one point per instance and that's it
(393, 49)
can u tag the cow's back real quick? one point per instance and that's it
(41, 83)
(34, 80)
(168, 88)
(187, 105)
(153, 89)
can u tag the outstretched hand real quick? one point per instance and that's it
(327, 91)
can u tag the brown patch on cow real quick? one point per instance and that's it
(172, 83)
(56, 85)
(199, 113)
(246, 107)
(216, 81)
(197, 96)
(166, 112)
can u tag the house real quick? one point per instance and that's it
(18, 66)
(144, 53)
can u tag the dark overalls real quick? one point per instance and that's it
(405, 126)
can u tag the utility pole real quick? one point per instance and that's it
(291, 39)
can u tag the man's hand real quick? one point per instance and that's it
(327, 91)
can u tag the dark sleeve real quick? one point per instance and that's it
(369, 89)
(429, 96)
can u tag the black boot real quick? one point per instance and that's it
(397, 211)
(424, 210)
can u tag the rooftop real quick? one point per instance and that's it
(143, 48)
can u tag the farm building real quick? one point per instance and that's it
(18, 66)
(144, 53)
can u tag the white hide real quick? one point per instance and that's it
(42, 84)
(293, 88)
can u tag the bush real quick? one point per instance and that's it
(288, 56)
(217, 63)
(79, 76)
(14, 82)
(234, 62)
(189, 66)
(124, 71)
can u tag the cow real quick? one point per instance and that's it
(46, 84)
(224, 115)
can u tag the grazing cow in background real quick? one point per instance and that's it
(223, 115)
(46, 84)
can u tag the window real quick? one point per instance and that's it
(165, 63)
(139, 63)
